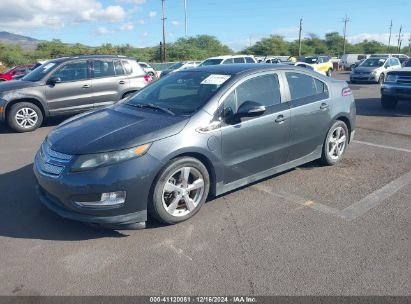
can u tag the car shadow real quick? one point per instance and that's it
(48, 122)
(372, 107)
(23, 216)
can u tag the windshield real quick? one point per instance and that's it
(211, 62)
(39, 72)
(183, 93)
(310, 60)
(373, 62)
(9, 70)
(175, 66)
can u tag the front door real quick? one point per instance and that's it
(74, 92)
(255, 144)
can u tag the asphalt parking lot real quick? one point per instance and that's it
(314, 230)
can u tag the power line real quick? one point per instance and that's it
(345, 20)
(299, 37)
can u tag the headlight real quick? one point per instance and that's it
(90, 161)
(373, 73)
(391, 78)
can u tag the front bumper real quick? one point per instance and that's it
(135, 176)
(402, 91)
(363, 77)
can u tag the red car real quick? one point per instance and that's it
(21, 69)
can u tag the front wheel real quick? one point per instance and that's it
(179, 191)
(24, 117)
(335, 143)
(381, 79)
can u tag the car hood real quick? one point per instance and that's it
(404, 72)
(115, 128)
(366, 69)
(16, 85)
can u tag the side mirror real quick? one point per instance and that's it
(250, 109)
(53, 80)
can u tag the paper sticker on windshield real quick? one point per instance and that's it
(215, 79)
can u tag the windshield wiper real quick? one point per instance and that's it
(155, 107)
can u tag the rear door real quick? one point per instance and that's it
(74, 92)
(109, 81)
(255, 144)
(310, 113)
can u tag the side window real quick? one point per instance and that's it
(262, 89)
(228, 61)
(395, 61)
(118, 68)
(103, 68)
(127, 67)
(306, 88)
(20, 70)
(239, 60)
(72, 71)
(249, 60)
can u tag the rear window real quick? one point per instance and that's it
(305, 87)
(127, 67)
(249, 60)
(103, 68)
(239, 60)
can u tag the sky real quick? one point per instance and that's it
(237, 23)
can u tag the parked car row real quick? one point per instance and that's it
(66, 86)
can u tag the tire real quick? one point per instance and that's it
(168, 202)
(381, 79)
(128, 94)
(329, 72)
(331, 155)
(388, 102)
(24, 117)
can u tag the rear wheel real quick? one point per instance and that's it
(179, 191)
(388, 102)
(24, 117)
(381, 79)
(335, 143)
(329, 72)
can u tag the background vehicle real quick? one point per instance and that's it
(306, 66)
(19, 70)
(194, 132)
(66, 86)
(396, 87)
(374, 69)
(178, 66)
(350, 61)
(228, 59)
(148, 69)
(322, 63)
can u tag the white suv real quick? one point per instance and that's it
(229, 59)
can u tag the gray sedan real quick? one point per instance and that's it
(195, 133)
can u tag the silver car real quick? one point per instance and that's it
(374, 69)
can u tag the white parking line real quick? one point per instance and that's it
(381, 146)
(351, 212)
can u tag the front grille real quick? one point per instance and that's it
(51, 162)
(404, 79)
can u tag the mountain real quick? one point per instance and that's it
(26, 43)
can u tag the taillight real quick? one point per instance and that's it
(147, 78)
(346, 92)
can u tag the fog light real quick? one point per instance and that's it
(107, 200)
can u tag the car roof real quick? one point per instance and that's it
(229, 56)
(61, 59)
(238, 68)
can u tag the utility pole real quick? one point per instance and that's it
(409, 46)
(164, 32)
(399, 39)
(389, 38)
(185, 18)
(345, 20)
(299, 37)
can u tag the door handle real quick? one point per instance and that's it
(323, 106)
(86, 86)
(122, 82)
(280, 118)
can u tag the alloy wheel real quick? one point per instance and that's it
(183, 191)
(26, 118)
(337, 143)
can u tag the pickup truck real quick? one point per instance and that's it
(397, 86)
